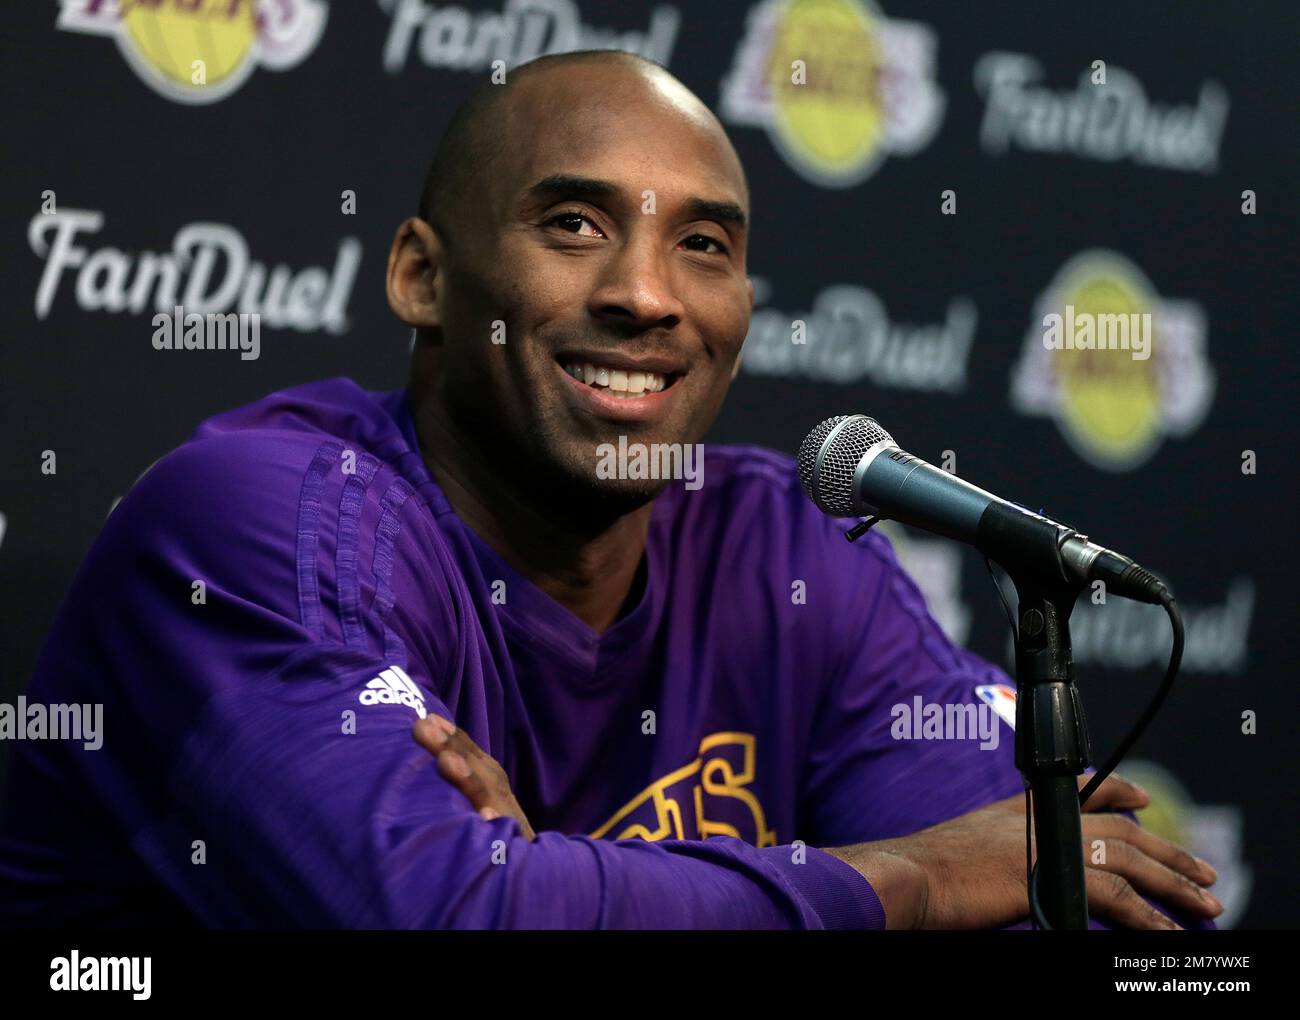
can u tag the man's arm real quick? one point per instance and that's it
(261, 773)
(879, 771)
(307, 822)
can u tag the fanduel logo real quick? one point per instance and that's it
(1130, 635)
(112, 280)
(465, 40)
(1106, 122)
(848, 337)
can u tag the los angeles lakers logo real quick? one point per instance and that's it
(837, 86)
(1118, 366)
(200, 51)
(709, 796)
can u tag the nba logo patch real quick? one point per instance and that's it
(1002, 699)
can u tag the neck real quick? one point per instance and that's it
(588, 564)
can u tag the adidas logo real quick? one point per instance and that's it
(394, 687)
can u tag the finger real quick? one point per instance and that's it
(491, 797)
(1114, 794)
(469, 768)
(1111, 896)
(432, 732)
(444, 734)
(522, 819)
(1169, 854)
(436, 734)
(453, 767)
(1153, 879)
(517, 813)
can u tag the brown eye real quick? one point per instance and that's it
(571, 217)
(722, 248)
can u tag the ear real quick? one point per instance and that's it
(414, 261)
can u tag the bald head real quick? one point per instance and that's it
(490, 120)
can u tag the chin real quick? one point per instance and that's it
(630, 493)
(575, 485)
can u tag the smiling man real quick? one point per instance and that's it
(635, 703)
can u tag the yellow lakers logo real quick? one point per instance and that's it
(195, 45)
(1118, 366)
(708, 796)
(831, 113)
(1110, 397)
(837, 86)
(199, 51)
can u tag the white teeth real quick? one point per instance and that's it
(617, 380)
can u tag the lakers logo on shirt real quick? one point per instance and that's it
(708, 796)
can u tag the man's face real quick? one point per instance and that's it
(609, 260)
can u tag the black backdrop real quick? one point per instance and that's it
(921, 308)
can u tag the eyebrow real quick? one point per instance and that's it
(560, 186)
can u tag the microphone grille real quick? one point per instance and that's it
(831, 485)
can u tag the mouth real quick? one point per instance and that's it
(614, 386)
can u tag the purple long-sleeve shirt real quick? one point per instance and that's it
(258, 767)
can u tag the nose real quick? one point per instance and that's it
(636, 288)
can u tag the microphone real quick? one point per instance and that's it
(851, 467)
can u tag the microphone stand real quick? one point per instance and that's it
(1052, 746)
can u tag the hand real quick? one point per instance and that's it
(970, 872)
(472, 771)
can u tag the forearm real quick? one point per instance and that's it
(361, 831)
(559, 881)
(899, 883)
(658, 884)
